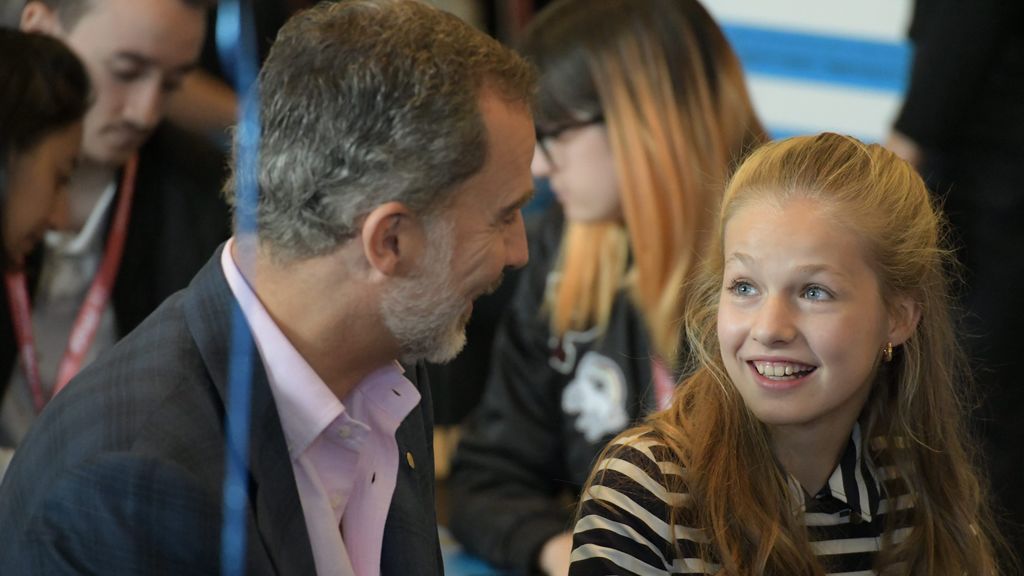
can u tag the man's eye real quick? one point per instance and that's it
(129, 75)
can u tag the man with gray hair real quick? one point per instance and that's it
(394, 160)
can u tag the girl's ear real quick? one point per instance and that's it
(903, 319)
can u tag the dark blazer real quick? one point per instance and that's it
(122, 473)
(967, 78)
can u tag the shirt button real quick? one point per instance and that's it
(409, 459)
(345, 431)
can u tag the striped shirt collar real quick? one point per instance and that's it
(853, 485)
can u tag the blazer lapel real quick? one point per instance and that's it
(210, 310)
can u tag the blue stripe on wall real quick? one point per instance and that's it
(818, 58)
(780, 132)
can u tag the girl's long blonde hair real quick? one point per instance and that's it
(678, 116)
(916, 406)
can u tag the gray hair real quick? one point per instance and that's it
(367, 102)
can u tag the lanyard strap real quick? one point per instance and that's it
(21, 317)
(664, 385)
(86, 324)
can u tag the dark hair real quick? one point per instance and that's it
(45, 88)
(71, 11)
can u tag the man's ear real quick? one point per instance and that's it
(903, 319)
(393, 238)
(38, 17)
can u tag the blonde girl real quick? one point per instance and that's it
(821, 432)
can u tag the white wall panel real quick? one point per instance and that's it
(816, 65)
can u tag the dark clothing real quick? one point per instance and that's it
(549, 407)
(8, 339)
(123, 472)
(967, 79)
(178, 218)
(965, 108)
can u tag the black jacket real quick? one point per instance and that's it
(549, 407)
(967, 80)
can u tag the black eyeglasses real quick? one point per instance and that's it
(546, 138)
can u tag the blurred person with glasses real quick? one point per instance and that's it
(642, 111)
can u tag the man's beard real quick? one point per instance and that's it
(425, 312)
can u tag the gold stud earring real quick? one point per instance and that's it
(887, 352)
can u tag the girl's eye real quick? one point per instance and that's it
(742, 288)
(817, 293)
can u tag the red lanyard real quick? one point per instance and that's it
(83, 331)
(664, 384)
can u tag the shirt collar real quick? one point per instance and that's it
(75, 244)
(304, 402)
(853, 484)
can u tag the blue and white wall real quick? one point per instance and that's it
(815, 65)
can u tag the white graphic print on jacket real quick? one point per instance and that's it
(597, 393)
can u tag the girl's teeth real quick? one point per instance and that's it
(779, 370)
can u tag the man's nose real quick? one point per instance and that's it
(145, 104)
(517, 254)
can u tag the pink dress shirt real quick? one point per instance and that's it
(344, 453)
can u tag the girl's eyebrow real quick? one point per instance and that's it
(741, 257)
(811, 269)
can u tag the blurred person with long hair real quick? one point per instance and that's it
(44, 98)
(822, 431)
(642, 111)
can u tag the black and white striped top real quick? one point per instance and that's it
(623, 526)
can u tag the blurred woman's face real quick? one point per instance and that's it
(577, 161)
(36, 187)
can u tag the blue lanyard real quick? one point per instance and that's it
(236, 46)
